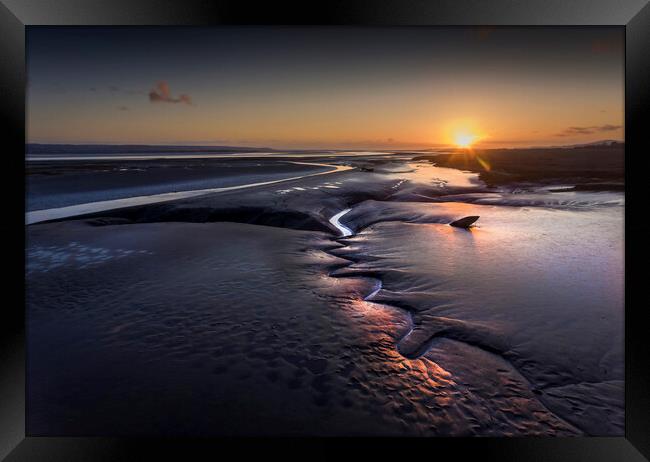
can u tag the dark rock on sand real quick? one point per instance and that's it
(464, 222)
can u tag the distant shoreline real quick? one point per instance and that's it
(99, 148)
(601, 166)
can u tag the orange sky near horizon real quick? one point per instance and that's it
(570, 92)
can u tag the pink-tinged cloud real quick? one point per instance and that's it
(161, 94)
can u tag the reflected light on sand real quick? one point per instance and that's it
(426, 173)
(383, 326)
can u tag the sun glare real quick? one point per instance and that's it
(464, 139)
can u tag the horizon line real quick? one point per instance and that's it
(348, 148)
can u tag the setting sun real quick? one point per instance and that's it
(464, 139)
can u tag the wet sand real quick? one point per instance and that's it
(269, 321)
(244, 182)
(56, 184)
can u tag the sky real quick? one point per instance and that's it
(325, 87)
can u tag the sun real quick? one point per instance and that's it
(464, 139)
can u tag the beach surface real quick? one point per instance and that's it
(337, 303)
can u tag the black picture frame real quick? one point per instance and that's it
(633, 15)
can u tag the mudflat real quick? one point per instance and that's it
(253, 312)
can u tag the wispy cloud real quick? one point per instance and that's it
(114, 90)
(573, 131)
(161, 94)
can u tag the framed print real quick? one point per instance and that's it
(296, 229)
